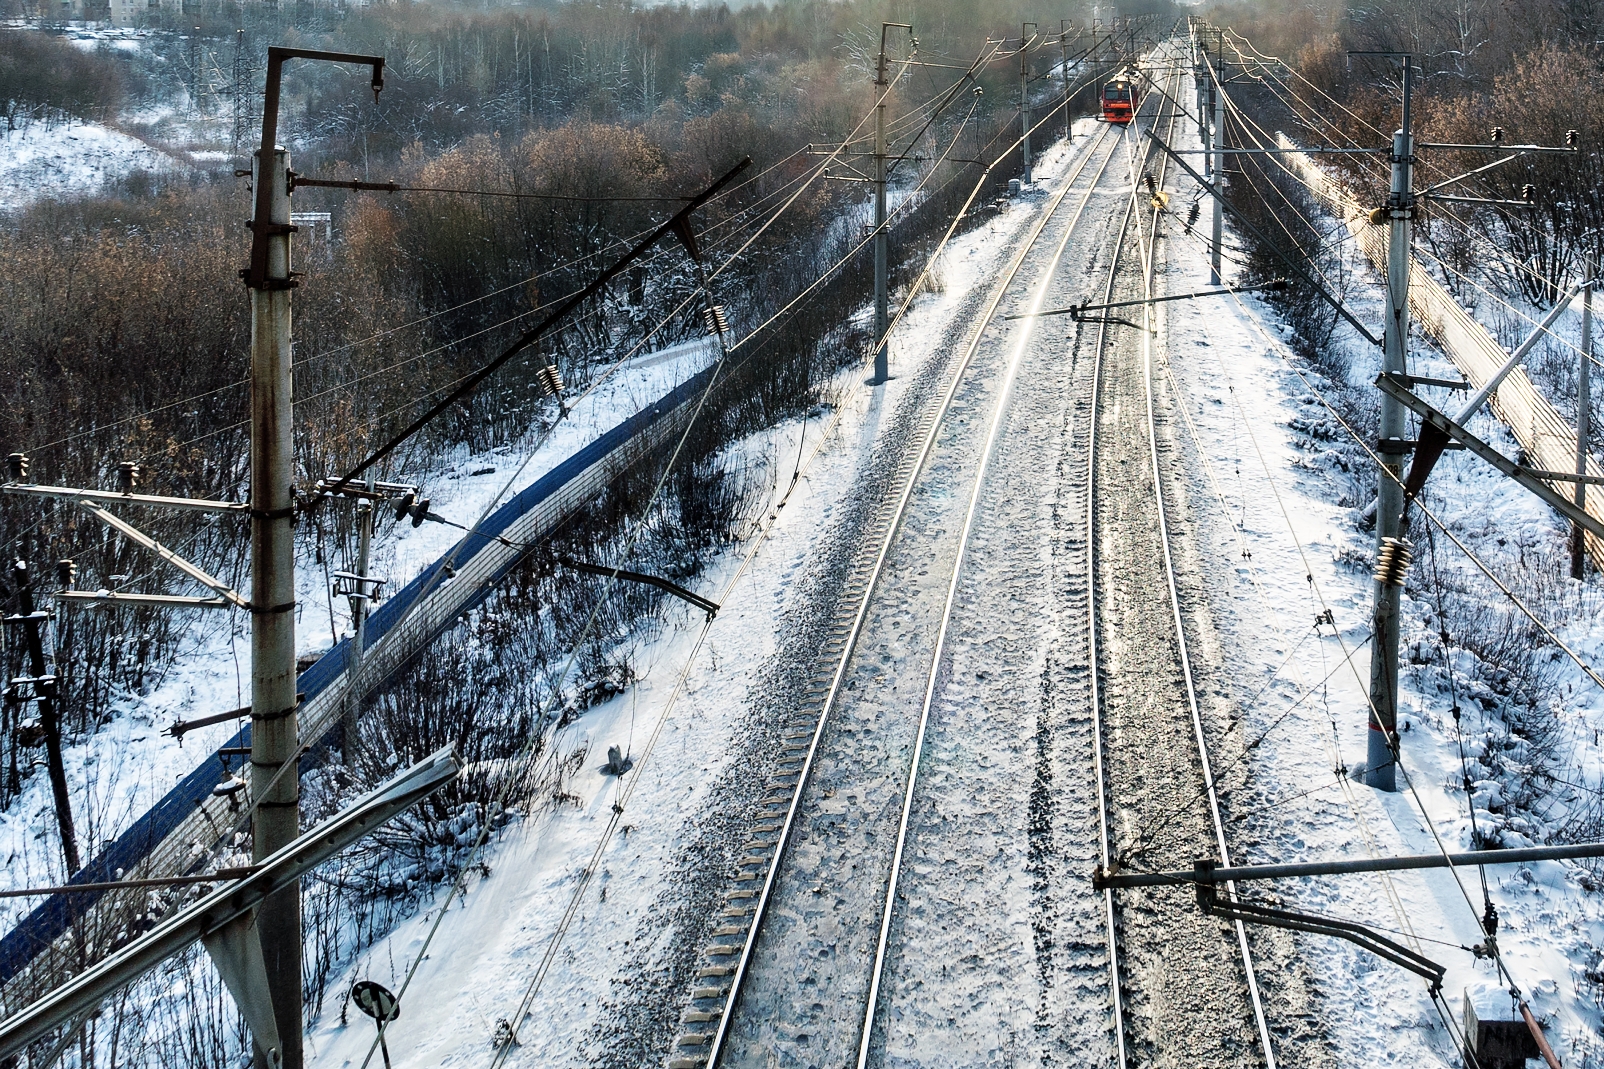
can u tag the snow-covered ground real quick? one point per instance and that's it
(1283, 553)
(68, 158)
(118, 773)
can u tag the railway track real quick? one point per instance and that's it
(850, 883)
(804, 798)
(1185, 987)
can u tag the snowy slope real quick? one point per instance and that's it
(119, 772)
(62, 159)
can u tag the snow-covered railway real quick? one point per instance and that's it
(1186, 990)
(886, 898)
(805, 935)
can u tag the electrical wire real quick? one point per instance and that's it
(578, 645)
(1441, 208)
(824, 437)
(303, 363)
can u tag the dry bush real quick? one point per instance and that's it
(40, 73)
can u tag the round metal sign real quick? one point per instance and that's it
(375, 1000)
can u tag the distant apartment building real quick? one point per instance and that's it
(136, 12)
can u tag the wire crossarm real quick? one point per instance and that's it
(73, 493)
(225, 919)
(1437, 429)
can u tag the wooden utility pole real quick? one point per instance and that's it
(42, 684)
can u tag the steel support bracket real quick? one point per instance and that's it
(236, 950)
(1437, 431)
(707, 606)
(229, 904)
(1219, 903)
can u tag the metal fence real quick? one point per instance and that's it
(1549, 441)
(67, 931)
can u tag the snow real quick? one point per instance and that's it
(491, 945)
(1265, 488)
(62, 159)
(1272, 496)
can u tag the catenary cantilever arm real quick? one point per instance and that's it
(227, 904)
(256, 274)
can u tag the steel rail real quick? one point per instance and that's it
(999, 412)
(1099, 759)
(838, 678)
(1175, 605)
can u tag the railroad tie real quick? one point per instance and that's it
(695, 1062)
(717, 991)
(703, 1016)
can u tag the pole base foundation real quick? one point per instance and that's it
(1380, 770)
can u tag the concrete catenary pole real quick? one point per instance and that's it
(1063, 48)
(1217, 222)
(1584, 414)
(882, 265)
(1024, 96)
(1391, 550)
(1200, 67)
(274, 729)
(882, 318)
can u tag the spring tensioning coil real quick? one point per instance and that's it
(551, 381)
(1392, 561)
(716, 323)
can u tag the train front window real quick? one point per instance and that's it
(1120, 95)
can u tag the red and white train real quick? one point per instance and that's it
(1121, 97)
